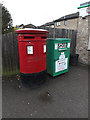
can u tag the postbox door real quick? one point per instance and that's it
(36, 56)
(42, 49)
(27, 55)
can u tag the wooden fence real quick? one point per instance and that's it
(10, 55)
(10, 64)
(63, 33)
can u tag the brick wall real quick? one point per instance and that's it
(71, 24)
(82, 40)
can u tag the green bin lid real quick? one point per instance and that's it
(59, 39)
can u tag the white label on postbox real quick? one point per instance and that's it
(68, 45)
(29, 49)
(44, 48)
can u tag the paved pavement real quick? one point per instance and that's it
(65, 96)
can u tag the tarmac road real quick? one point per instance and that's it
(65, 96)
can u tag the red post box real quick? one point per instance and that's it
(32, 45)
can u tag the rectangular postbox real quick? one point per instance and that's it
(58, 53)
(32, 45)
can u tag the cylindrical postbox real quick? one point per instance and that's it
(32, 45)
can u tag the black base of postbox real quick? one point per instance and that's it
(33, 79)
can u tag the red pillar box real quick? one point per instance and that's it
(32, 45)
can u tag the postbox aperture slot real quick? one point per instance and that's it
(43, 37)
(30, 49)
(29, 37)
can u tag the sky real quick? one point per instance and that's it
(39, 12)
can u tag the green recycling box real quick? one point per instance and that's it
(58, 54)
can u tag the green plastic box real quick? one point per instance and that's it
(58, 54)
